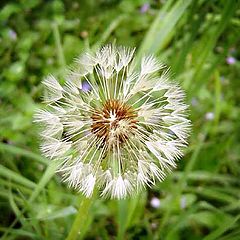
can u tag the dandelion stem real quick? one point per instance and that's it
(79, 224)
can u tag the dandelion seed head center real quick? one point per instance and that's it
(114, 122)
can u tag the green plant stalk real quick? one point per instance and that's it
(57, 38)
(182, 182)
(50, 171)
(122, 213)
(78, 225)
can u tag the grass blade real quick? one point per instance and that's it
(159, 33)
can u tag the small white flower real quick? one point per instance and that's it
(155, 202)
(183, 202)
(123, 133)
(209, 116)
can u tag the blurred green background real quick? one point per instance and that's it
(199, 40)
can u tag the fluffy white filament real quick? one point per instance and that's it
(133, 152)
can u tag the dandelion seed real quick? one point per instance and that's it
(114, 125)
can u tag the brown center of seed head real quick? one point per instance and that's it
(114, 123)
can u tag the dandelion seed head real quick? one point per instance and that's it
(114, 125)
(114, 122)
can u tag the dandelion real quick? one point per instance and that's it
(123, 133)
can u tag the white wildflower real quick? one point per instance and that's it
(122, 134)
(209, 116)
(155, 202)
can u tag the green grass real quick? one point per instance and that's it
(201, 198)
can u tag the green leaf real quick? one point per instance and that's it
(161, 29)
(226, 225)
(13, 176)
(22, 152)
